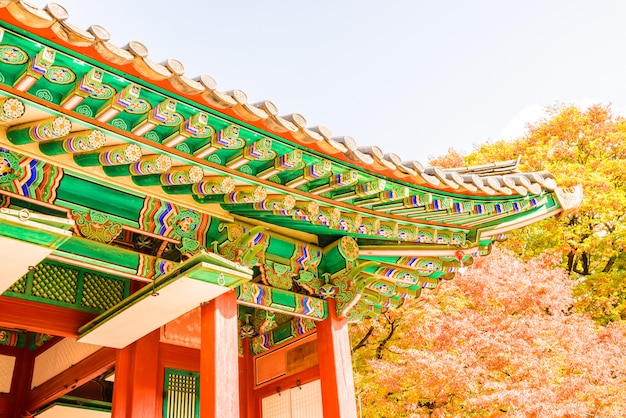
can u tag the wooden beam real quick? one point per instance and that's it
(335, 364)
(219, 362)
(12, 403)
(41, 317)
(79, 374)
(22, 376)
(13, 351)
(296, 304)
(137, 386)
(179, 357)
(246, 382)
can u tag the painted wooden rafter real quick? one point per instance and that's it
(294, 125)
(145, 169)
(385, 281)
(268, 298)
(251, 151)
(267, 340)
(251, 258)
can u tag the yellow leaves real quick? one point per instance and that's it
(492, 152)
(603, 295)
(578, 146)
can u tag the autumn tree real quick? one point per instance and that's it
(499, 340)
(585, 147)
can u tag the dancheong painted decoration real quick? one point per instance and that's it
(149, 221)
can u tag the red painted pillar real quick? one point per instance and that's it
(219, 358)
(335, 362)
(136, 385)
(246, 384)
(20, 384)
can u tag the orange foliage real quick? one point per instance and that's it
(501, 340)
(508, 338)
(452, 159)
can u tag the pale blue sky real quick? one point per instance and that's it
(413, 77)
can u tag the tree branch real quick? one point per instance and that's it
(384, 341)
(609, 264)
(363, 341)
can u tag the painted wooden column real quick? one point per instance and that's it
(14, 405)
(136, 379)
(219, 358)
(246, 382)
(335, 362)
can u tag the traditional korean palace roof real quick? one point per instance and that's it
(125, 169)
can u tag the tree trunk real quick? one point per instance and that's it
(584, 260)
(571, 261)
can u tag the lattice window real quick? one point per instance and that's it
(277, 406)
(303, 401)
(306, 401)
(63, 285)
(55, 283)
(182, 394)
(101, 292)
(19, 286)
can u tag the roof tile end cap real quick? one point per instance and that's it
(569, 198)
